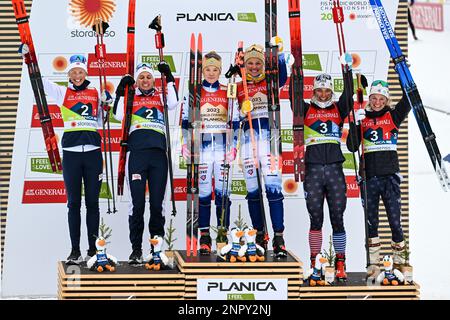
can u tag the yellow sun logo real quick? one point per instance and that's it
(88, 12)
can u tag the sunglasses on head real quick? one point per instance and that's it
(380, 82)
(77, 58)
(323, 77)
(255, 48)
(143, 64)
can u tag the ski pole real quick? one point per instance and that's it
(338, 18)
(159, 43)
(231, 95)
(363, 189)
(100, 53)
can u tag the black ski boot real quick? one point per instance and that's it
(261, 241)
(90, 254)
(205, 243)
(279, 249)
(74, 258)
(135, 257)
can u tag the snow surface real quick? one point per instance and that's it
(429, 205)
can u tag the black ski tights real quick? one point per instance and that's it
(326, 181)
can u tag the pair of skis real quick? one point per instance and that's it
(297, 91)
(195, 124)
(50, 140)
(410, 89)
(128, 98)
(272, 81)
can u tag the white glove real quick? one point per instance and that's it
(290, 60)
(346, 59)
(360, 115)
(106, 97)
(23, 49)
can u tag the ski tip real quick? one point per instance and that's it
(188, 246)
(200, 41)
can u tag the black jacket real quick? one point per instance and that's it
(380, 163)
(327, 153)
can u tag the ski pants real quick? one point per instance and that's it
(271, 176)
(83, 168)
(325, 181)
(388, 188)
(147, 167)
(212, 155)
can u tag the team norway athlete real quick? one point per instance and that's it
(146, 159)
(82, 159)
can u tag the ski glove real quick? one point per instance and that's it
(346, 60)
(126, 80)
(106, 100)
(232, 71)
(231, 155)
(23, 50)
(360, 115)
(164, 68)
(447, 158)
(106, 97)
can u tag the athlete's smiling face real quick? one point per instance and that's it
(145, 81)
(323, 95)
(77, 76)
(211, 74)
(254, 67)
(377, 101)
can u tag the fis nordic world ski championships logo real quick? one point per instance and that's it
(216, 17)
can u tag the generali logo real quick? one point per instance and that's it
(44, 192)
(352, 187)
(115, 64)
(180, 189)
(55, 114)
(114, 136)
(253, 286)
(308, 85)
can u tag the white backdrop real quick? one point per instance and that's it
(37, 232)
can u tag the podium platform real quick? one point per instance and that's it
(127, 282)
(207, 267)
(356, 288)
(135, 282)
